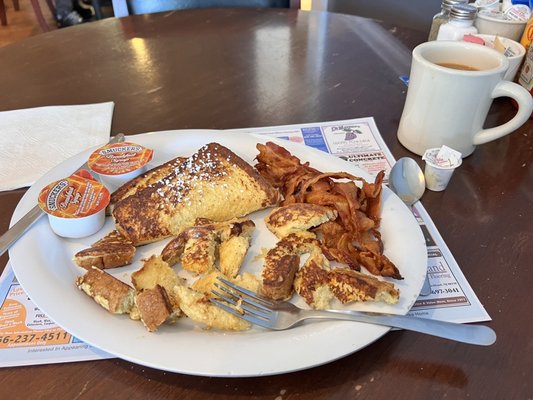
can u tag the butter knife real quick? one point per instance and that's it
(22, 225)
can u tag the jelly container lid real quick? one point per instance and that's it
(119, 158)
(443, 157)
(77, 196)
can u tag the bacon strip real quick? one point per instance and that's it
(353, 238)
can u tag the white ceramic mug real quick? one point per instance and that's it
(448, 106)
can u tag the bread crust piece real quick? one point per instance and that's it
(112, 251)
(153, 306)
(111, 293)
(213, 183)
(298, 217)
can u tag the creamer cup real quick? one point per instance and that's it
(488, 4)
(513, 50)
(518, 12)
(440, 164)
(119, 163)
(75, 205)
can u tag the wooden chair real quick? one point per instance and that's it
(3, 15)
(40, 17)
(39, 13)
(122, 8)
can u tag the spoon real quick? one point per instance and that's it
(406, 180)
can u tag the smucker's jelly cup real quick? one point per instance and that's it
(119, 163)
(75, 205)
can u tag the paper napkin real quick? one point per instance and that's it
(34, 140)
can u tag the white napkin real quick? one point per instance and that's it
(34, 140)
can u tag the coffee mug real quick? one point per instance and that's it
(451, 88)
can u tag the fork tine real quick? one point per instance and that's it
(248, 300)
(267, 303)
(244, 304)
(247, 317)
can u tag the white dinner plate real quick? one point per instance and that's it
(43, 265)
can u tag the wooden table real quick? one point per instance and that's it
(241, 68)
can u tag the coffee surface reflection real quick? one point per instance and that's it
(458, 66)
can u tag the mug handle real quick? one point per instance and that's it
(525, 108)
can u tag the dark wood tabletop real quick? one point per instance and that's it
(242, 68)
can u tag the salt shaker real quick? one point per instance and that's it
(461, 23)
(442, 17)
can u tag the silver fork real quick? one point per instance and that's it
(280, 315)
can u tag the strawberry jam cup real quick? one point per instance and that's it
(75, 205)
(119, 163)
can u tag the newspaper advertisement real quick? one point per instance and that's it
(28, 337)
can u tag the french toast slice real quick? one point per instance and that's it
(282, 263)
(318, 284)
(112, 251)
(151, 176)
(297, 217)
(156, 272)
(154, 307)
(235, 240)
(312, 281)
(207, 283)
(197, 307)
(199, 247)
(213, 183)
(349, 285)
(112, 294)
(199, 252)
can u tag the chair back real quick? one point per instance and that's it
(122, 8)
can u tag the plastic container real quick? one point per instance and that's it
(495, 23)
(461, 23)
(118, 163)
(75, 205)
(515, 52)
(518, 12)
(527, 36)
(441, 162)
(487, 4)
(509, 3)
(525, 78)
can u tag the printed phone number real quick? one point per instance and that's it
(445, 291)
(29, 338)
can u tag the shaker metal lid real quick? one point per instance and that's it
(447, 4)
(463, 11)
